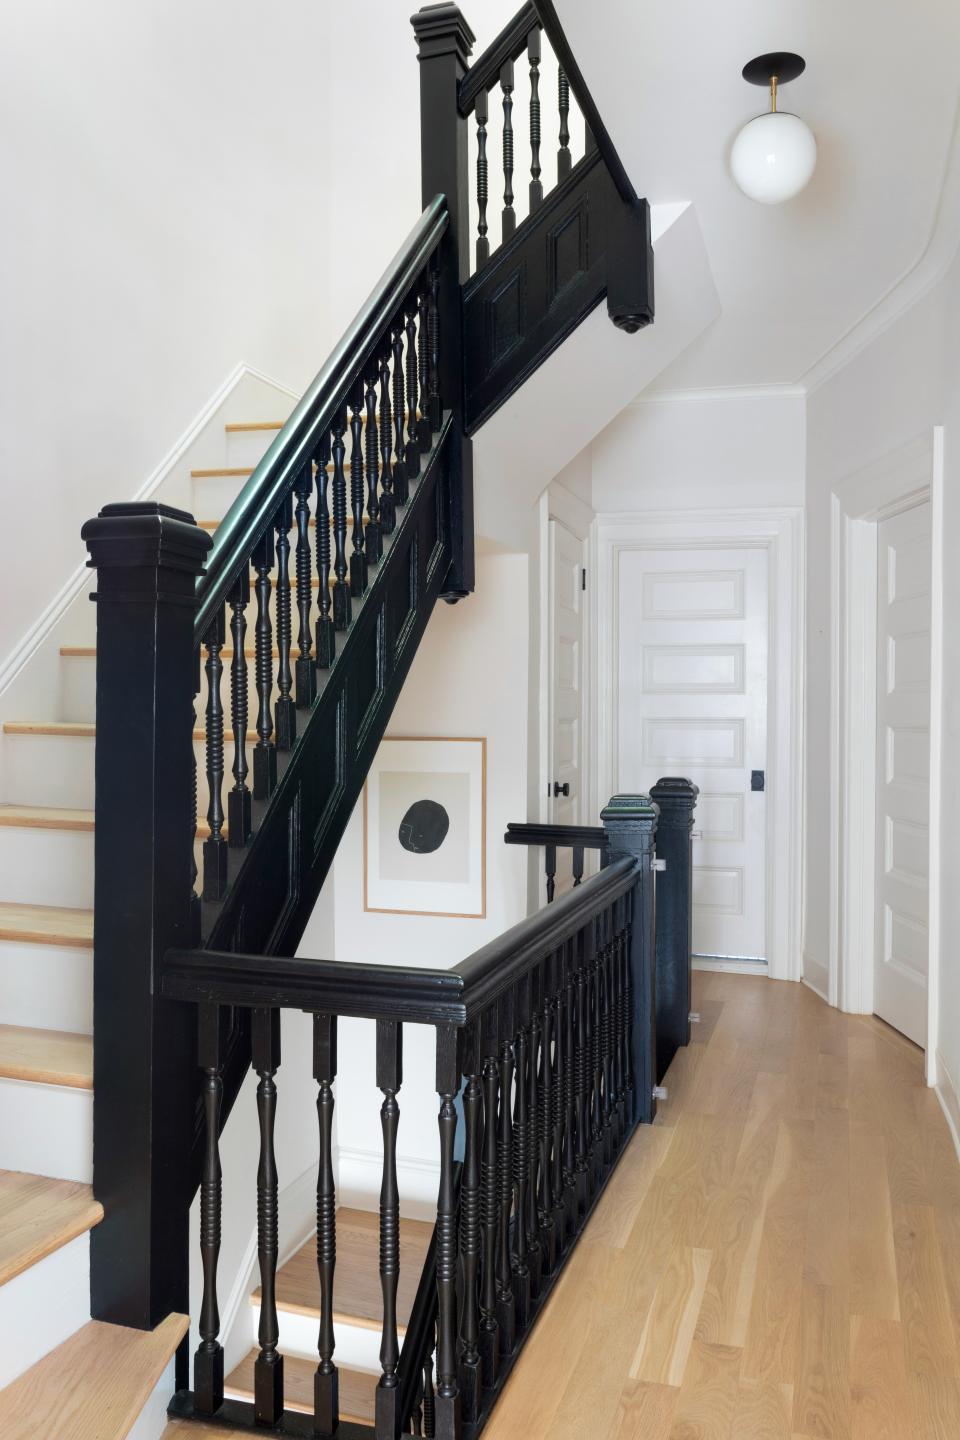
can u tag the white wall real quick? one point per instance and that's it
(469, 677)
(709, 449)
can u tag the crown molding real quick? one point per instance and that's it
(716, 392)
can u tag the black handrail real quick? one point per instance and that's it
(591, 837)
(259, 500)
(395, 992)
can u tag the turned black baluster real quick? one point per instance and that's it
(489, 1343)
(578, 853)
(616, 1065)
(326, 1382)
(388, 513)
(558, 1113)
(606, 1040)
(550, 870)
(401, 493)
(521, 1156)
(424, 428)
(629, 1077)
(483, 244)
(285, 712)
(434, 403)
(506, 1307)
(568, 1040)
(509, 218)
(389, 1080)
(208, 1361)
(429, 1400)
(265, 751)
(358, 558)
(533, 55)
(532, 1219)
(268, 1369)
(411, 454)
(238, 800)
(596, 1060)
(581, 1099)
(448, 1085)
(215, 846)
(342, 608)
(564, 158)
(305, 671)
(469, 1371)
(373, 544)
(326, 637)
(548, 1229)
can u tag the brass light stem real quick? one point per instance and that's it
(773, 94)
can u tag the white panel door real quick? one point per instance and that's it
(903, 771)
(566, 686)
(692, 628)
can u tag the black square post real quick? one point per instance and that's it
(145, 1080)
(676, 799)
(630, 823)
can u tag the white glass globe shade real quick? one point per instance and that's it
(773, 157)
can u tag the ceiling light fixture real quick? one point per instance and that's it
(774, 155)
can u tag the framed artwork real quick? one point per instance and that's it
(425, 828)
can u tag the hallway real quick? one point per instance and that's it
(777, 1258)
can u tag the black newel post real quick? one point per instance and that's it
(444, 41)
(629, 265)
(676, 799)
(147, 559)
(630, 823)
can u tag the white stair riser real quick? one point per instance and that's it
(46, 1130)
(46, 867)
(44, 1306)
(78, 687)
(59, 770)
(46, 987)
(246, 447)
(214, 494)
(152, 1422)
(79, 692)
(357, 1348)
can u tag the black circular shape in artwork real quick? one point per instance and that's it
(424, 827)
(782, 63)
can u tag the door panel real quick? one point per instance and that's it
(903, 771)
(692, 629)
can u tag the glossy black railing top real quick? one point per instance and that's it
(494, 70)
(577, 838)
(546, 1035)
(379, 394)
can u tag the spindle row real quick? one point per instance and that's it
(350, 506)
(543, 1077)
(506, 83)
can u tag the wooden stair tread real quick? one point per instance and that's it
(240, 427)
(93, 1386)
(38, 1215)
(45, 817)
(46, 924)
(83, 729)
(358, 1299)
(47, 1057)
(356, 1387)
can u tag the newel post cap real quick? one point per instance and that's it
(676, 797)
(443, 30)
(145, 551)
(630, 822)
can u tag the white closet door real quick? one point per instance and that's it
(693, 642)
(566, 686)
(903, 771)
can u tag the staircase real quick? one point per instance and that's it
(190, 785)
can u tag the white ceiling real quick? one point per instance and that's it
(880, 93)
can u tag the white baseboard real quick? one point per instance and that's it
(949, 1099)
(361, 1171)
(297, 1211)
(731, 967)
(816, 976)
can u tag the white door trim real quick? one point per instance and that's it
(896, 482)
(780, 532)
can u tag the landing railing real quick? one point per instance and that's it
(545, 1035)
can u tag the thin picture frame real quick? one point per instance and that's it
(480, 912)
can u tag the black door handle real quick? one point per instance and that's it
(559, 789)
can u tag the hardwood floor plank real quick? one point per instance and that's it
(709, 1394)
(821, 1400)
(827, 1250)
(931, 1339)
(661, 1355)
(764, 1410)
(936, 1406)
(879, 1400)
(646, 1411)
(873, 1261)
(627, 1191)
